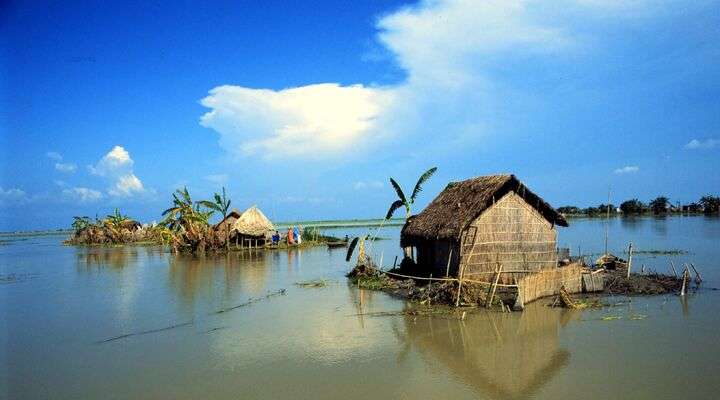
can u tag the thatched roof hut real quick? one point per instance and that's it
(131, 225)
(460, 203)
(481, 222)
(253, 223)
(229, 220)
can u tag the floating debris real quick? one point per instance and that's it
(315, 283)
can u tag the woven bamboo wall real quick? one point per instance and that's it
(511, 233)
(548, 282)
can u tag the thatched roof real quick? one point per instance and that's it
(131, 225)
(253, 222)
(460, 203)
(229, 219)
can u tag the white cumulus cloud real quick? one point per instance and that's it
(117, 167)
(116, 161)
(628, 169)
(309, 120)
(126, 186)
(82, 194)
(449, 51)
(706, 144)
(59, 165)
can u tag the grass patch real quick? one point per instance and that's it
(315, 283)
(371, 282)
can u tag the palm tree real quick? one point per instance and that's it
(220, 204)
(185, 215)
(711, 204)
(659, 205)
(402, 200)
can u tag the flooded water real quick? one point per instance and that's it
(140, 323)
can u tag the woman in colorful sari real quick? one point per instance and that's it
(290, 237)
(296, 234)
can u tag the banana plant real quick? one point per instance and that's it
(402, 200)
(220, 204)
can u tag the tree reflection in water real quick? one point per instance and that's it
(220, 274)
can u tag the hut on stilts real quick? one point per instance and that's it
(226, 225)
(251, 229)
(494, 230)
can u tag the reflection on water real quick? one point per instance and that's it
(224, 274)
(329, 342)
(498, 355)
(659, 225)
(632, 224)
(89, 258)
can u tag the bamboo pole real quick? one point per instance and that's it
(672, 266)
(630, 252)
(685, 273)
(462, 272)
(447, 269)
(494, 286)
(698, 279)
(607, 223)
(381, 259)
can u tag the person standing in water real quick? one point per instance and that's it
(290, 238)
(296, 234)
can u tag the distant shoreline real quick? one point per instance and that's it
(342, 223)
(360, 223)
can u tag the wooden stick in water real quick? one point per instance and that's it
(460, 278)
(494, 287)
(630, 252)
(698, 279)
(672, 265)
(395, 262)
(682, 290)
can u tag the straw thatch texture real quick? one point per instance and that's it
(461, 203)
(131, 225)
(253, 223)
(510, 233)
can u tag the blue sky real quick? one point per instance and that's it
(307, 109)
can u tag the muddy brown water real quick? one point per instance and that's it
(140, 323)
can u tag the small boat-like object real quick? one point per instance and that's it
(337, 244)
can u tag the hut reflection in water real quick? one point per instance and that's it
(500, 356)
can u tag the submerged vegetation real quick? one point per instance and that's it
(185, 227)
(113, 229)
(188, 225)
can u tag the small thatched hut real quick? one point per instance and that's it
(131, 225)
(228, 221)
(252, 228)
(477, 224)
